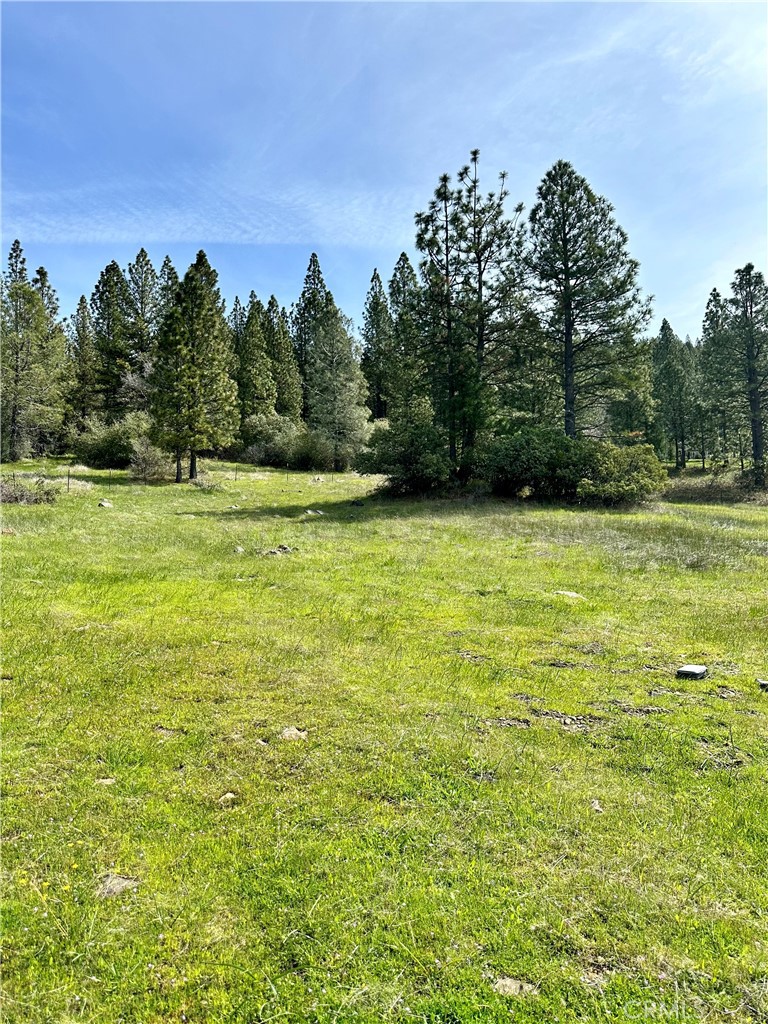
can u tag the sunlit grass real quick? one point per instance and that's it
(497, 781)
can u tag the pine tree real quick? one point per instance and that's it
(308, 317)
(285, 372)
(736, 344)
(193, 397)
(673, 378)
(377, 358)
(587, 284)
(255, 387)
(489, 298)
(167, 286)
(141, 314)
(407, 375)
(109, 315)
(84, 394)
(336, 390)
(724, 403)
(32, 360)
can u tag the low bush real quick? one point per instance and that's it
(311, 450)
(549, 465)
(18, 492)
(410, 452)
(110, 445)
(269, 439)
(147, 461)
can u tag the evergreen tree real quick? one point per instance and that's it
(673, 381)
(255, 387)
(141, 314)
(167, 286)
(193, 397)
(438, 237)
(407, 373)
(490, 297)
(377, 357)
(109, 315)
(336, 390)
(308, 317)
(32, 360)
(84, 394)
(724, 402)
(736, 338)
(586, 283)
(285, 372)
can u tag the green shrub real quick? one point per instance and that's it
(268, 439)
(147, 461)
(549, 465)
(622, 476)
(110, 445)
(17, 492)
(311, 450)
(410, 452)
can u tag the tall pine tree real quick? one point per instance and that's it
(285, 372)
(31, 381)
(308, 317)
(109, 315)
(586, 283)
(377, 357)
(193, 397)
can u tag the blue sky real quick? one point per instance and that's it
(261, 132)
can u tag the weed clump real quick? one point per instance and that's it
(18, 492)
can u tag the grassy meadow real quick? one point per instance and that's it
(494, 802)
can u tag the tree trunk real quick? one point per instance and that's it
(178, 467)
(683, 453)
(193, 465)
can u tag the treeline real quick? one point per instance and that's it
(508, 324)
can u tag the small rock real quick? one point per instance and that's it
(763, 684)
(233, 506)
(261, 743)
(239, 550)
(513, 987)
(228, 800)
(292, 733)
(105, 504)
(8, 531)
(104, 782)
(595, 805)
(571, 593)
(691, 671)
(114, 885)
(314, 512)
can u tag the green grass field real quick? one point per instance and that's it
(497, 781)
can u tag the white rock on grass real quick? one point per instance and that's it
(292, 733)
(105, 504)
(115, 885)
(228, 800)
(513, 987)
(570, 593)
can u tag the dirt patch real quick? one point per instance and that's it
(638, 711)
(572, 723)
(716, 755)
(509, 723)
(473, 657)
(726, 693)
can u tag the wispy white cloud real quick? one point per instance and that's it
(203, 207)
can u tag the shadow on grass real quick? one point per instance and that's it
(379, 506)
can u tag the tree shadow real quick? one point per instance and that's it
(381, 506)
